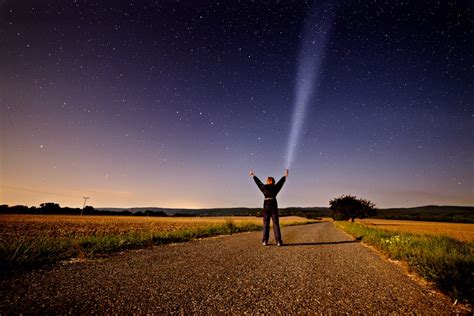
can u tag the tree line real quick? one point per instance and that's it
(55, 209)
(345, 207)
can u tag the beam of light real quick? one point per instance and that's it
(316, 29)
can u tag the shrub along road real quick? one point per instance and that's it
(320, 269)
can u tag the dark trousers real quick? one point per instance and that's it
(270, 210)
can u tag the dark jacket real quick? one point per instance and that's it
(270, 190)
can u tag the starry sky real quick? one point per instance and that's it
(170, 103)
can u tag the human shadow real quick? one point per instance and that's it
(322, 243)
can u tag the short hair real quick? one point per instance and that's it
(270, 180)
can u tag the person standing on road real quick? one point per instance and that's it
(270, 206)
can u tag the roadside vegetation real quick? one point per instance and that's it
(36, 239)
(460, 231)
(445, 261)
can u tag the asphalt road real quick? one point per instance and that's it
(320, 269)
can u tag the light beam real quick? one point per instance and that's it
(315, 33)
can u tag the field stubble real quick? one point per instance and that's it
(460, 231)
(26, 239)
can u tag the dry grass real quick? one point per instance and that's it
(58, 226)
(26, 239)
(460, 231)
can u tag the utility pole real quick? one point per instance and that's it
(85, 200)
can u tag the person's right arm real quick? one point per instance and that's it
(281, 182)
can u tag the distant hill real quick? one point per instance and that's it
(423, 213)
(235, 211)
(435, 213)
(460, 214)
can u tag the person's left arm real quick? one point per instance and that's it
(259, 183)
(257, 180)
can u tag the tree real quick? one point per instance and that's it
(350, 207)
(89, 210)
(50, 208)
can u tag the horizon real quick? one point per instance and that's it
(172, 104)
(231, 207)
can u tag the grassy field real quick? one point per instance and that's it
(461, 231)
(26, 239)
(446, 261)
(431, 213)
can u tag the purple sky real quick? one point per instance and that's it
(171, 103)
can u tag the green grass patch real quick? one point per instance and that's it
(25, 250)
(446, 261)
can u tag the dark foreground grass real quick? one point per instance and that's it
(27, 250)
(446, 261)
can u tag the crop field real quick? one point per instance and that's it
(48, 238)
(460, 231)
(14, 226)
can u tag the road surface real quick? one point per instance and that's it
(320, 269)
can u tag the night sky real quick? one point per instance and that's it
(170, 103)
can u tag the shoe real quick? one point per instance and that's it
(264, 243)
(279, 244)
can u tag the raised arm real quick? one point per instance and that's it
(281, 182)
(257, 180)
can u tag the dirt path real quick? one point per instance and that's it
(319, 270)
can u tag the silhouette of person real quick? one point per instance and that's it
(270, 206)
